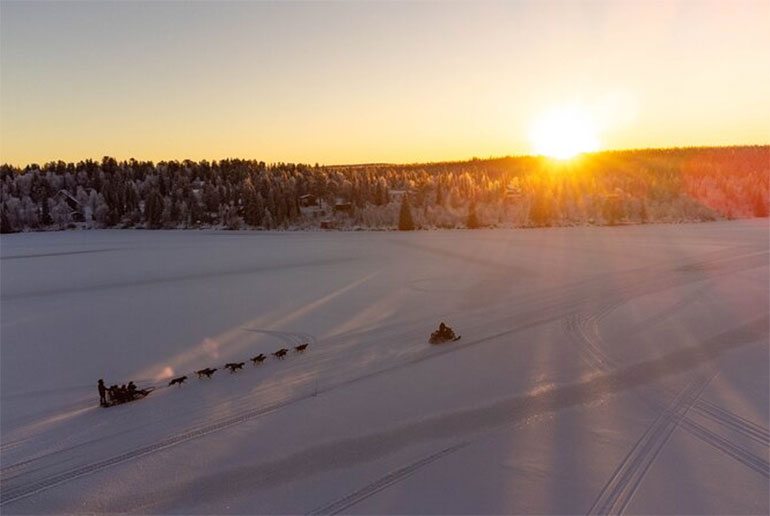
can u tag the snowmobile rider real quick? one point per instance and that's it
(445, 332)
(102, 393)
(131, 390)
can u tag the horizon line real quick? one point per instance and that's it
(393, 163)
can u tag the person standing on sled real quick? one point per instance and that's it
(102, 393)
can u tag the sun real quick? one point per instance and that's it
(563, 133)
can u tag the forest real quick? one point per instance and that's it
(605, 188)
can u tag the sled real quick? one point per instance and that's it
(435, 338)
(138, 394)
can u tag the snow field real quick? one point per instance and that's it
(601, 370)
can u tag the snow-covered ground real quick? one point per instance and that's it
(600, 370)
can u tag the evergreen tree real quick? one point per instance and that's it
(29, 213)
(175, 212)
(61, 213)
(252, 205)
(5, 223)
(540, 210)
(267, 220)
(153, 210)
(211, 201)
(612, 210)
(760, 207)
(231, 218)
(405, 221)
(101, 211)
(473, 221)
(259, 210)
(45, 214)
(195, 211)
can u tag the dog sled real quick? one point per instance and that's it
(119, 398)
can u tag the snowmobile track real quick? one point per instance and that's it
(383, 482)
(13, 494)
(624, 482)
(734, 421)
(589, 341)
(738, 453)
(288, 337)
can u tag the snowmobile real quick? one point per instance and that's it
(443, 334)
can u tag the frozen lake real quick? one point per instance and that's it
(600, 370)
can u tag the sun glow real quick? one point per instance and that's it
(563, 133)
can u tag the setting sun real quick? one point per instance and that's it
(564, 133)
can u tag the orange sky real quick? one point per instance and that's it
(373, 82)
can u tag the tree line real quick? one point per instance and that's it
(621, 187)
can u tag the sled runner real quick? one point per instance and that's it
(436, 338)
(119, 398)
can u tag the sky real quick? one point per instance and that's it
(366, 82)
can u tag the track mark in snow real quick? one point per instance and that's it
(738, 453)
(23, 491)
(170, 280)
(726, 418)
(288, 337)
(449, 252)
(584, 331)
(63, 253)
(577, 327)
(617, 493)
(666, 313)
(384, 482)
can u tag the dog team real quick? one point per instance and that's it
(234, 366)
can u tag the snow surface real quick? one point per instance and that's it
(601, 370)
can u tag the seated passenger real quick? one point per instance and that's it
(113, 392)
